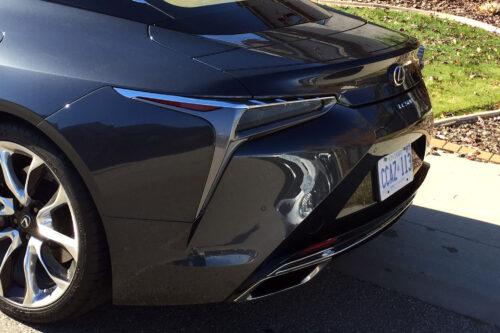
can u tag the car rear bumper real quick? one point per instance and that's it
(302, 265)
(279, 195)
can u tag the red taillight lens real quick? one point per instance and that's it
(274, 113)
(194, 107)
(319, 246)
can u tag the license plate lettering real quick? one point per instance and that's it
(394, 172)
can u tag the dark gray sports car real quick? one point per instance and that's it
(178, 152)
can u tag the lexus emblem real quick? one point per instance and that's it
(25, 221)
(398, 75)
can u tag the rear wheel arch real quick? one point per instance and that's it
(11, 112)
(15, 113)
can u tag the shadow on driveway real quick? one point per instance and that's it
(415, 258)
(332, 302)
(444, 259)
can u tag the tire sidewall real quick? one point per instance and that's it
(74, 189)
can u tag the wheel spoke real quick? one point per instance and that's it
(29, 266)
(58, 199)
(10, 177)
(36, 162)
(46, 229)
(8, 206)
(16, 242)
(68, 243)
(61, 283)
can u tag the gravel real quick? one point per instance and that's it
(482, 134)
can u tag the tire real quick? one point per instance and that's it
(59, 241)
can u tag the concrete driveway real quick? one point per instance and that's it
(446, 249)
(438, 269)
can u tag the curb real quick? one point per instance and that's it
(461, 19)
(466, 118)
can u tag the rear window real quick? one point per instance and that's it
(224, 17)
(135, 10)
(209, 17)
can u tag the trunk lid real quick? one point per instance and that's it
(341, 54)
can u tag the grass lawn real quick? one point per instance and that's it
(462, 70)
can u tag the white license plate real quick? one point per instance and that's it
(394, 172)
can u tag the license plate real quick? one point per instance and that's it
(394, 172)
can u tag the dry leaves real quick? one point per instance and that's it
(483, 134)
(492, 8)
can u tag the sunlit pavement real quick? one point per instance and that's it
(446, 249)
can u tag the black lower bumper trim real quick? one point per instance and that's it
(350, 231)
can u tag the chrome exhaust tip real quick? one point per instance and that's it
(278, 283)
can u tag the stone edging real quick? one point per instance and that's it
(467, 151)
(461, 19)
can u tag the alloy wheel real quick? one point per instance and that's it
(39, 242)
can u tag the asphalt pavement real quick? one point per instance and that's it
(437, 269)
(330, 303)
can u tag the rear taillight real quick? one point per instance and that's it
(235, 121)
(189, 106)
(263, 115)
(250, 117)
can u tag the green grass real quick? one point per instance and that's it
(462, 69)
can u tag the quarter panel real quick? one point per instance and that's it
(279, 170)
(40, 92)
(67, 42)
(256, 205)
(147, 162)
(253, 209)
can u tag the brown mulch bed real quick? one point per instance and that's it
(483, 134)
(470, 8)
